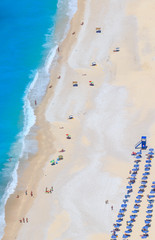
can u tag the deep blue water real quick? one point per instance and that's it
(23, 28)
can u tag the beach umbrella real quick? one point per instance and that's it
(114, 236)
(136, 206)
(136, 165)
(143, 182)
(149, 211)
(141, 191)
(133, 174)
(124, 205)
(128, 231)
(133, 216)
(142, 187)
(125, 200)
(131, 221)
(151, 196)
(117, 225)
(144, 235)
(120, 215)
(132, 178)
(150, 206)
(152, 191)
(139, 156)
(145, 231)
(149, 216)
(135, 211)
(150, 153)
(146, 173)
(147, 169)
(127, 196)
(153, 186)
(119, 220)
(137, 201)
(122, 210)
(145, 227)
(137, 161)
(144, 178)
(150, 201)
(135, 169)
(151, 149)
(147, 221)
(126, 235)
(148, 161)
(139, 196)
(153, 182)
(129, 187)
(148, 165)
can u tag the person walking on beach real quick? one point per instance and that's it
(31, 194)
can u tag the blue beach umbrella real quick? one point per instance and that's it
(125, 200)
(149, 211)
(153, 186)
(152, 191)
(139, 156)
(141, 191)
(143, 182)
(144, 178)
(144, 236)
(127, 196)
(145, 231)
(122, 210)
(135, 169)
(136, 206)
(147, 169)
(133, 216)
(117, 225)
(129, 226)
(132, 178)
(151, 149)
(129, 187)
(136, 165)
(124, 205)
(142, 187)
(153, 182)
(150, 206)
(139, 196)
(149, 216)
(147, 221)
(151, 196)
(135, 211)
(128, 231)
(148, 161)
(133, 174)
(114, 236)
(148, 165)
(145, 227)
(146, 173)
(126, 235)
(150, 200)
(150, 153)
(137, 201)
(119, 220)
(120, 215)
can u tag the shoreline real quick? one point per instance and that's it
(100, 148)
(27, 169)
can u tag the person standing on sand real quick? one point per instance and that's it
(27, 220)
(112, 208)
(23, 220)
(31, 194)
(26, 192)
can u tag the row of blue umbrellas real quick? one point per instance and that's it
(123, 209)
(138, 199)
(149, 211)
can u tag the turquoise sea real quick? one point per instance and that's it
(30, 32)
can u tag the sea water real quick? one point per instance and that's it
(30, 31)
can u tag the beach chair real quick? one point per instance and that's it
(91, 83)
(98, 30)
(94, 64)
(75, 84)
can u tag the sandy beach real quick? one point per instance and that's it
(112, 107)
